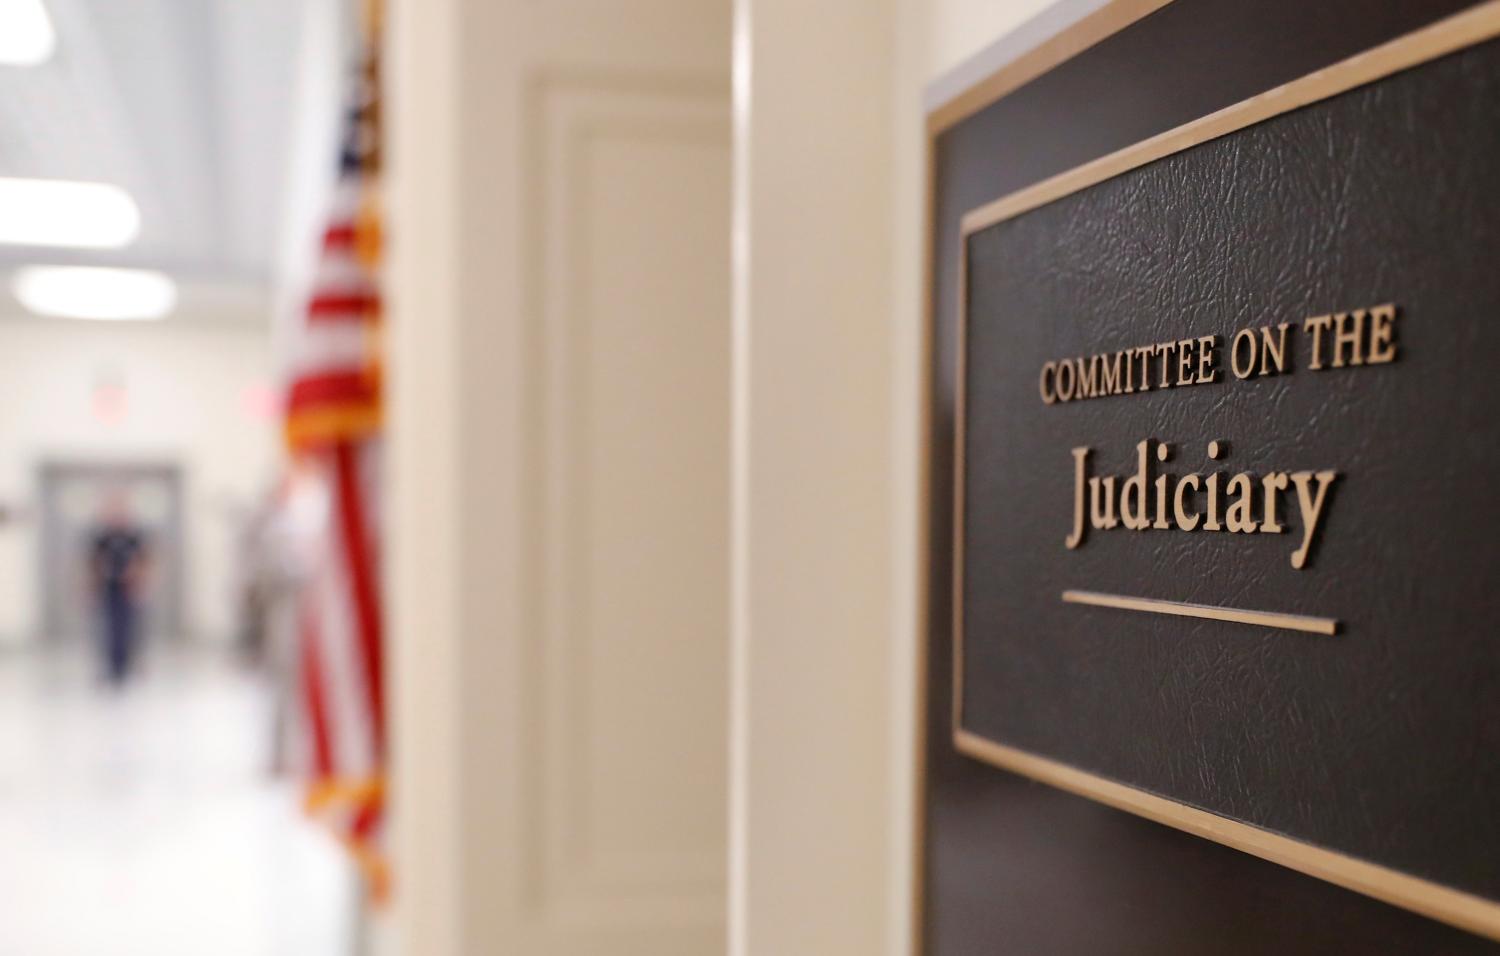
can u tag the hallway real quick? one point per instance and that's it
(143, 822)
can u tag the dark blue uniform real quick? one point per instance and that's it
(116, 551)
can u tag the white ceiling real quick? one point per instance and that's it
(190, 105)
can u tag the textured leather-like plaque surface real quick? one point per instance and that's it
(1379, 741)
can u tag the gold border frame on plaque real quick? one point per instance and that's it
(1475, 25)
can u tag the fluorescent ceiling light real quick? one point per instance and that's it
(88, 292)
(56, 212)
(26, 34)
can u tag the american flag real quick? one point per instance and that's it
(333, 428)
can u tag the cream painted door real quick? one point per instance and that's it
(560, 471)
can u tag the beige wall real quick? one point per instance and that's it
(191, 388)
(830, 397)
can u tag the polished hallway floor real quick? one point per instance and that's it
(143, 821)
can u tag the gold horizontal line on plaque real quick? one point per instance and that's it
(1275, 619)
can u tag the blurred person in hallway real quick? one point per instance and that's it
(119, 567)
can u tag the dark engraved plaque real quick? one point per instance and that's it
(1349, 706)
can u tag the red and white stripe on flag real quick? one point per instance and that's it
(342, 660)
(333, 421)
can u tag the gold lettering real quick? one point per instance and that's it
(1216, 450)
(1135, 517)
(1245, 369)
(1311, 506)
(1185, 362)
(1271, 484)
(1137, 509)
(1086, 376)
(1080, 467)
(1273, 350)
(1163, 452)
(1144, 354)
(1240, 517)
(1208, 354)
(1339, 339)
(1102, 512)
(1382, 331)
(1349, 333)
(1065, 391)
(1212, 524)
(1132, 508)
(1317, 325)
(1109, 375)
(1164, 351)
(1049, 394)
(1179, 508)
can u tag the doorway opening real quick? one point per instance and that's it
(74, 498)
